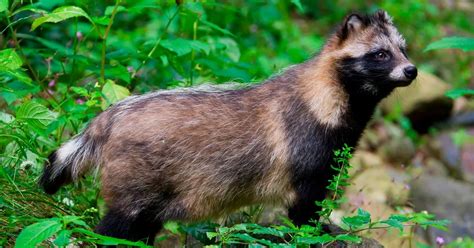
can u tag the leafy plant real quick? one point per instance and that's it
(289, 235)
(464, 43)
(62, 62)
(61, 231)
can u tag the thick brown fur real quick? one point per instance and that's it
(197, 154)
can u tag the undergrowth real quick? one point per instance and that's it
(63, 61)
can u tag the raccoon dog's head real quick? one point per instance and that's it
(373, 55)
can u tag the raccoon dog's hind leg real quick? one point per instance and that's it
(141, 227)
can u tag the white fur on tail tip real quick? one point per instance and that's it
(69, 148)
(66, 156)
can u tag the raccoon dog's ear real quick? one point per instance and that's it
(352, 24)
(383, 16)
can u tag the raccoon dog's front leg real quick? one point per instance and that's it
(305, 209)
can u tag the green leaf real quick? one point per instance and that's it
(394, 223)
(172, 226)
(63, 238)
(73, 219)
(298, 5)
(349, 237)
(456, 93)
(35, 114)
(38, 232)
(9, 60)
(3, 5)
(323, 239)
(113, 92)
(110, 9)
(60, 14)
(463, 43)
(217, 28)
(362, 218)
(80, 91)
(182, 46)
(105, 240)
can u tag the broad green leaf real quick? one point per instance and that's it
(179, 46)
(118, 72)
(73, 219)
(9, 60)
(60, 14)
(114, 92)
(35, 114)
(182, 46)
(105, 240)
(110, 9)
(362, 218)
(63, 238)
(456, 93)
(36, 233)
(80, 91)
(463, 43)
(3, 5)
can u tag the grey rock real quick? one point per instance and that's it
(447, 199)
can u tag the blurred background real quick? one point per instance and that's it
(63, 62)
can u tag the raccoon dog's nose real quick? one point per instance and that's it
(410, 72)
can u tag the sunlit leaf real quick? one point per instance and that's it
(3, 5)
(36, 233)
(9, 60)
(463, 43)
(35, 114)
(60, 14)
(113, 92)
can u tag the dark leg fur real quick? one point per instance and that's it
(305, 208)
(52, 184)
(143, 227)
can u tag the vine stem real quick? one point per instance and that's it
(157, 42)
(104, 40)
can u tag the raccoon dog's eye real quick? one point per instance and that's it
(381, 56)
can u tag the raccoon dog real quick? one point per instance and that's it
(195, 154)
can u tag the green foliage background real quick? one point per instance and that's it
(62, 62)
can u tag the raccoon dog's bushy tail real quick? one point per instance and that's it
(69, 162)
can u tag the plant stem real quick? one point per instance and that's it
(157, 42)
(193, 54)
(104, 41)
